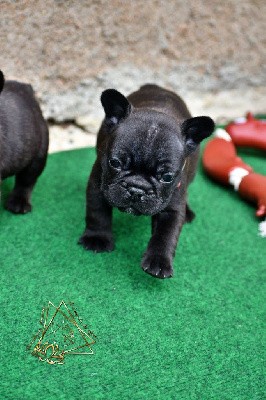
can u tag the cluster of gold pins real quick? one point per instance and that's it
(56, 339)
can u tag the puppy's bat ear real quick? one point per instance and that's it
(195, 130)
(116, 106)
(2, 81)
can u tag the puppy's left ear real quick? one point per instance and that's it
(2, 81)
(195, 130)
(116, 106)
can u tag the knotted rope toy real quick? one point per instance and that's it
(221, 162)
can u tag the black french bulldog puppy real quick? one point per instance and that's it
(147, 152)
(23, 141)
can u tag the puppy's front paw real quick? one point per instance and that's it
(157, 266)
(96, 243)
(18, 205)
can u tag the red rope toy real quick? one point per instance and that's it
(221, 162)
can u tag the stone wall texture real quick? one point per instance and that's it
(72, 50)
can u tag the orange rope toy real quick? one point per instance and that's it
(221, 162)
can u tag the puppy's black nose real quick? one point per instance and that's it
(136, 193)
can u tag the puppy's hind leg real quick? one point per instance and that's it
(18, 201)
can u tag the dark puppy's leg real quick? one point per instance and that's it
(190, 215)
(98, 232)
(166, 228)
(18, 201)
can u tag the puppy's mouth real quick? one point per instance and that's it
(130, 210)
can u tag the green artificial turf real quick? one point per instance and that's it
(198, 335)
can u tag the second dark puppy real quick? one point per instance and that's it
(147, 152)
(23, 141)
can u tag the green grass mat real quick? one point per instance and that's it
(198, 335)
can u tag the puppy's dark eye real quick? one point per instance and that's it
(115, 163)
(167, 177)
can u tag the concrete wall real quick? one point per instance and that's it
(209, 51)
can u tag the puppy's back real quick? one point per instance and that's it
(23, 130)
(19, 96)
(154, 97)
